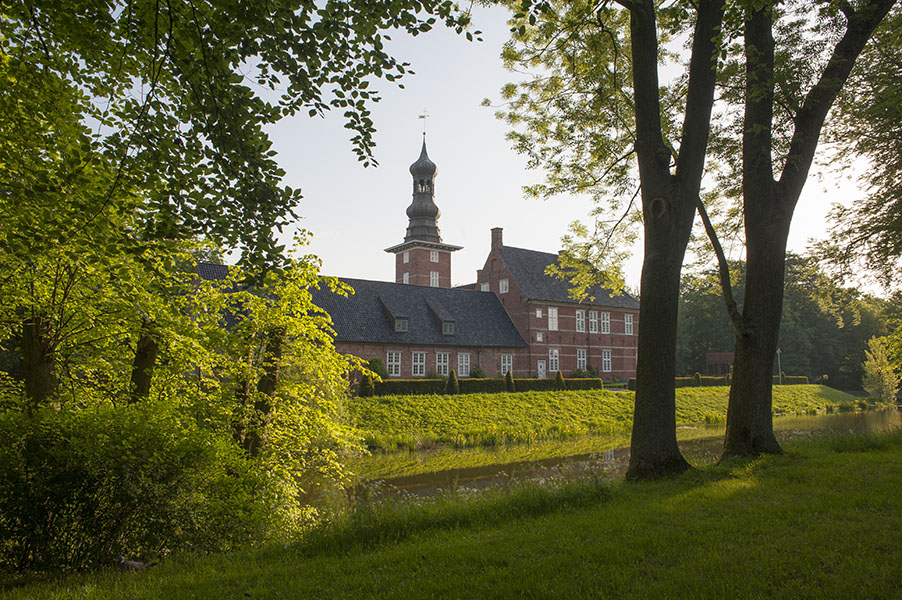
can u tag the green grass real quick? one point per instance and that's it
(395, 422)
(822, 521)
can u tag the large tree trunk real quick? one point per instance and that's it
(750, 429)
(668, 208)
(143, 364)
(768, 209)
(38, 362)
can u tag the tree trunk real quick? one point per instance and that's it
(668, 209)
(255, 437)
(38, 362)
(768, 209)
(143, 364)
(750, 429)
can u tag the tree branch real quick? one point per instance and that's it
(724, 271)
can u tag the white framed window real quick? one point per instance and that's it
(401, 324)
(448, 327)
(406, 257)
(581, 358)
(552, 319)
(606, 322)
(418, 364)
(593, 321)
(483, 287)
(502, 286)
(433, 256)
(538, 336)
(507, 363)
(393, 363)
(433, 278)
(553, 360)
(581, 321)
(606, 361)
(406, 278)
(628, 324)
(441, 363)
(538, 313)
(463, 364)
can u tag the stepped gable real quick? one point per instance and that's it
(367, 315)
(528, 269)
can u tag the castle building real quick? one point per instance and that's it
(514, 318)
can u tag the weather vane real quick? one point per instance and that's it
(424, 116)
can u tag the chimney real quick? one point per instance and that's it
(496, 238)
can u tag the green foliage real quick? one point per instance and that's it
(188, 151)
(481, 386)
(79, 488)
(378, 367)
(509, 384)
(366, 387)
(477, 373)
(824, 329)
(452, 386)
(867, 122)
(559, 382)
(397, 387)
(880, 378)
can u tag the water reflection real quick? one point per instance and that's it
(601, 455)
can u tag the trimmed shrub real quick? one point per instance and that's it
(559, 383)
(452, 386)
(509, 385)
(481, 386)
(404, 387)
(366, 387)
(703, 381)
(585, 383)
(791, 379)
(631, 384)
(477, 373)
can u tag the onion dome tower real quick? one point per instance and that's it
(422, 259)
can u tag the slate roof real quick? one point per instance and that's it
(366, 316)
(528, 269)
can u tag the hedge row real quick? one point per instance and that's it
(704, 381)
(404, 387)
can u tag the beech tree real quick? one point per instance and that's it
(579, 121)
(774, 169)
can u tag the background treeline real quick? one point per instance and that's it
(824, 331)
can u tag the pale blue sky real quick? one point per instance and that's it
(355, 212)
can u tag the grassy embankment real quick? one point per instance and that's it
(394, 422)
(822, 521)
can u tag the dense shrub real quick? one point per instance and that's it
(481, 386)
(559, 383)
(401, 387)
(791, 379)
(378, 367)
(78, 489)
(477, 373)
(509, 384)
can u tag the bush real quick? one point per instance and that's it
(78, 489)
(481, 386)
(477, 373)
(403, 387)
(559, 383)
(509, 385)
(578, 374)
(593, 371)
(378, 367)
(452, 386)
(791, 379)
(366, 387)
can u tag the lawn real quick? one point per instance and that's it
(822, 521)
(394, 422)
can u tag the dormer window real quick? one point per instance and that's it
(401, 324)
(448, 327)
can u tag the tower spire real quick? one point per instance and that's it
(423, 212)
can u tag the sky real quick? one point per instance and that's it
(354, 213)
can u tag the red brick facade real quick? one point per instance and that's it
(419, 266)
(487, 359)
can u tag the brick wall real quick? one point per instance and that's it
(488, 359)
(419, 267)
